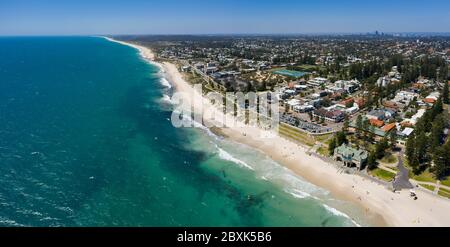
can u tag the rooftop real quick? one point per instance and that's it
(351, 154)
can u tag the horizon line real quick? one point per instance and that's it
(380, 33)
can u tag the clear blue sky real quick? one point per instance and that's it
(74, 17)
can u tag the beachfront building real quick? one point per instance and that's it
(351, 156)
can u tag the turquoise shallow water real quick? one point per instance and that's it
(86, 141)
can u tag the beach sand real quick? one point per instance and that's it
(143, 51)
(382, 206)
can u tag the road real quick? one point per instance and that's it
(401, 181)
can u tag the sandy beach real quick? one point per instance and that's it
(383, 207)
(143, 51)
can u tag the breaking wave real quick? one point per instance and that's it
(227, 156)
(165, 82)
(339, 213)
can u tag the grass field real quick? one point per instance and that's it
(323, 138)
(296, 135)
(444, 192)
(382, 174)
(428, 187)
(425, 176)
(308, 67)
(389, 159)
(323, 151)
(446, 182)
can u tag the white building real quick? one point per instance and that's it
(303, 108)
(292, 103)
(434, 96)
(299, 88)
(352, 110)
(349, 86)
(404, 134)
(318, 81)
(405, 97)
(383, 81)
(413, 120)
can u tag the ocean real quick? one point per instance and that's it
(86, 141)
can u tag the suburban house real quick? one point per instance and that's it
(388, 127)
(381, 114)
(432, 98)
(413, 120)
(376, 122)
(404, 134)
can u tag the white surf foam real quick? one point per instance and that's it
(8, 222)
(339, 213)
(165, 82)
(227, 156)
(298, 193)
(167, 99)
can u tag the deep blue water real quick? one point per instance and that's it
(85, 141)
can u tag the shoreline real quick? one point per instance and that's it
(381, 206)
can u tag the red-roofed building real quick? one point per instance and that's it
(388, 127)
(406, 124)
(376, 123)
(291, 85)
(347, 102)
(429, 100)
(418, 85)
(361, 103)
(391, 105)
(335, 96)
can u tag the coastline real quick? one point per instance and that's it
(145, 53)
(381, 206)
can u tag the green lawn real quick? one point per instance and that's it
(323, 151)
(322, 138)
(445, 190)
(446, 182)
(296, 135)
(307, 67)
(444, 193)
(425, 176)
(356, 142)
(382, 174)
(328, 141)
(389, 159)
(428, 187)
